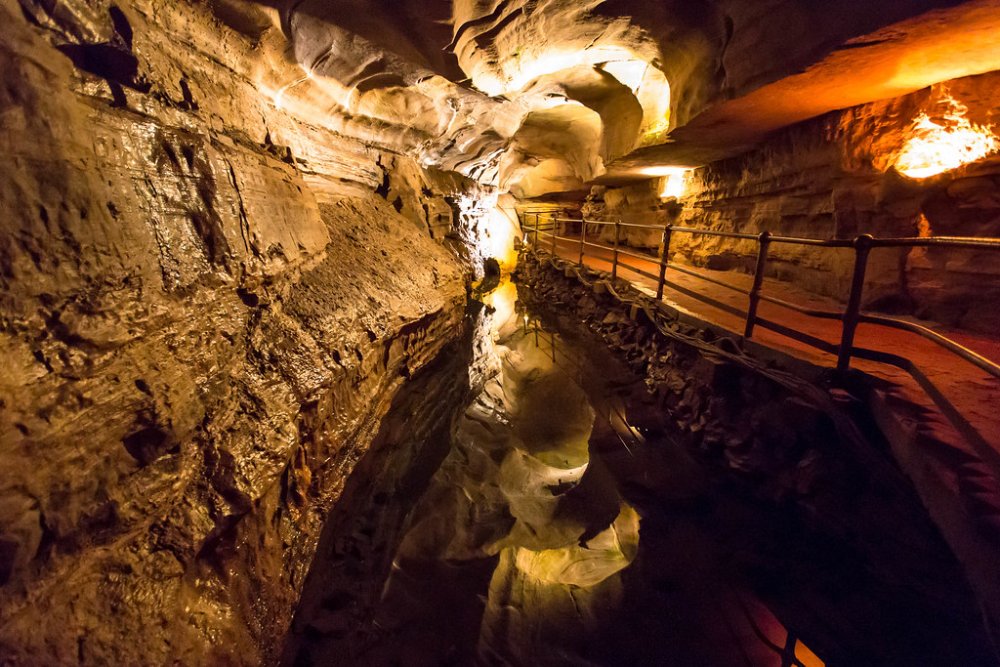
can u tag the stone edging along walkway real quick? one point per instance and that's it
(972, 392)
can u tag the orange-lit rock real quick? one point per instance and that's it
(944, 142)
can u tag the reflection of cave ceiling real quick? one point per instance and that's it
(544, 96)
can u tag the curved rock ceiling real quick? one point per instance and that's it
(547, 96)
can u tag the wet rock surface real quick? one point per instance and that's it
(181, 488)
(361, 534)
(235, 232)
(207, 307)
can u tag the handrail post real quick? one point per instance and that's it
(614, 261)
(852, 316)
(583, 237)
(664, 260)
(536, 233)
(763, 242)
(555, 223)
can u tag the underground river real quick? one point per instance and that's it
(554, 521)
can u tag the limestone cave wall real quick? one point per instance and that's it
(208, 304)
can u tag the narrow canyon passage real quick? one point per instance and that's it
(566, 527)
(499, 332)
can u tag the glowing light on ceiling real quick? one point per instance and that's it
(945, 142)
(526, 66)
(674, 180)
(629, 72)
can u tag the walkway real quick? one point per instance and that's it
(975, 393)
(936, 454)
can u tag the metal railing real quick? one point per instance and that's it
(616, 420)
(852, 316)
(546, 232)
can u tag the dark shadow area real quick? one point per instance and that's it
(333, 621)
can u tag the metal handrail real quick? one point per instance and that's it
(850, 318)
(964, 242)
(712, 232)
(635, 225)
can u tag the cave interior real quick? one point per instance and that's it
(500, 332)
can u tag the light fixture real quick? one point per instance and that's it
(945, 142)
(674, 179)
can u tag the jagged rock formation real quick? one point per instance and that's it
(208, 304)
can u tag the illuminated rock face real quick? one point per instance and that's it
(208, 305)
(467, 85)
(838, 176)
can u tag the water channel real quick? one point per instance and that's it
(564, 527)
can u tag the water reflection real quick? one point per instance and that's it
(524, 551)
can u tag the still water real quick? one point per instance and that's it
(562, 525)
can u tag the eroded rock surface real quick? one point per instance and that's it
(234, 231)
(207, 306)
(836, 177)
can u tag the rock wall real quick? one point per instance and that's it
(208, 303)
(833, 177)
(355, 556)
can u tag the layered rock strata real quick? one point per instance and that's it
(836, 177)
(208, 305)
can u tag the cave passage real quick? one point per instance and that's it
(565, 526)
(513, 333)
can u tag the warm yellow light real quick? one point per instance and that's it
(497, 231)
(278, 97)
(940, 144)
(674, 186)
(604, 555)
(674, 180)
(503, 301)
(530, 63)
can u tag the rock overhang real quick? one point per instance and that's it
(469, 85)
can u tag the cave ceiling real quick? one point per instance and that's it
(544, 96)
